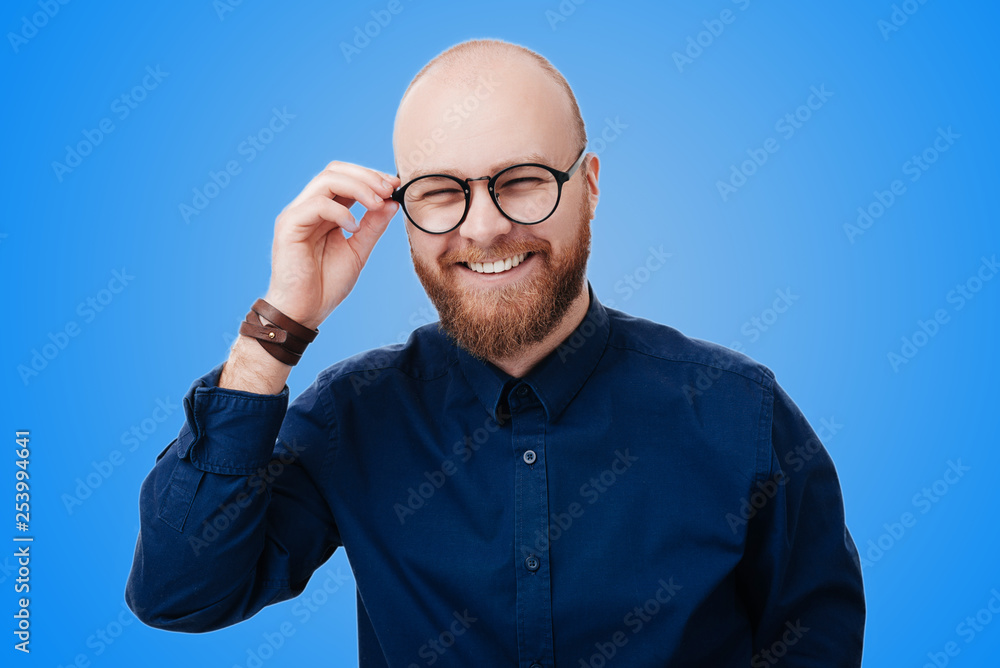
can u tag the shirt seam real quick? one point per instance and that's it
(334, 376)
(764, 428)
(682, 360)
(333, 439)
(240, 394)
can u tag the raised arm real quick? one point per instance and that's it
(231, 516)
(314, 265)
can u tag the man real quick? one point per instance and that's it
(540, 480)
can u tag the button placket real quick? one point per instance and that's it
(531, 519)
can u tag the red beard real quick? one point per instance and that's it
(498, 323)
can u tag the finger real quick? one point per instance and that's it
(341, 188)
(347, 183)
(363, 172)
(382, 184)
(372, 225)
(313, 218)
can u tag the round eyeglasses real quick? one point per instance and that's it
(526, 193)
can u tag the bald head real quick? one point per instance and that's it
(479, 88)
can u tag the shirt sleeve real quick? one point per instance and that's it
(231, 516)
(800, 574)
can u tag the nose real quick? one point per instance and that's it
(484, 221)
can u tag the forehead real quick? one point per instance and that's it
(481, 119)
(490, 170)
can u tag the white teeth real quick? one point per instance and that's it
(498, 266)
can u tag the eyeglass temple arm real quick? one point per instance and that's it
(576, 165)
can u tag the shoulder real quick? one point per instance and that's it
(666, 346)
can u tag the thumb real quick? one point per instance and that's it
(372, 225)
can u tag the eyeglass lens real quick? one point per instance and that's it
(526, 194)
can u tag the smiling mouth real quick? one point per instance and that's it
(498, 266)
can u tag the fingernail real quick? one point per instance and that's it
(385, 185)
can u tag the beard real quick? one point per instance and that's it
(498, 323)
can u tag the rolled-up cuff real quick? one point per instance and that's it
(229, 431)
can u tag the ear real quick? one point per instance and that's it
(593, 164)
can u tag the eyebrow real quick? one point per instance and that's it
(493, 169)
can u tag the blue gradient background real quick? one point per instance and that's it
(782, 230)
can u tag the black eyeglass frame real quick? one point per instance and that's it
(560, 177)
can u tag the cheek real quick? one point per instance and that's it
(563, 234)
(427, 250)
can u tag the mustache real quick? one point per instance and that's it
(501, 249)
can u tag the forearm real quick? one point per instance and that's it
(270, 536)
(250, 368)
(196, 556)
(230, 516)
(203, 510)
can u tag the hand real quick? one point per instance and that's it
(314, 265)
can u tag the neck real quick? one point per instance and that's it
(519, 365)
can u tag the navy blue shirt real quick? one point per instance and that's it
(639, 498)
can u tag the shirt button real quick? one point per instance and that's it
(532, 563)
(529, 457)
(522, 391)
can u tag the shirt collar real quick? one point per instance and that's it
(557, 378)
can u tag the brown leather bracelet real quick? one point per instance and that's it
(285, 340)
(262, 308)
